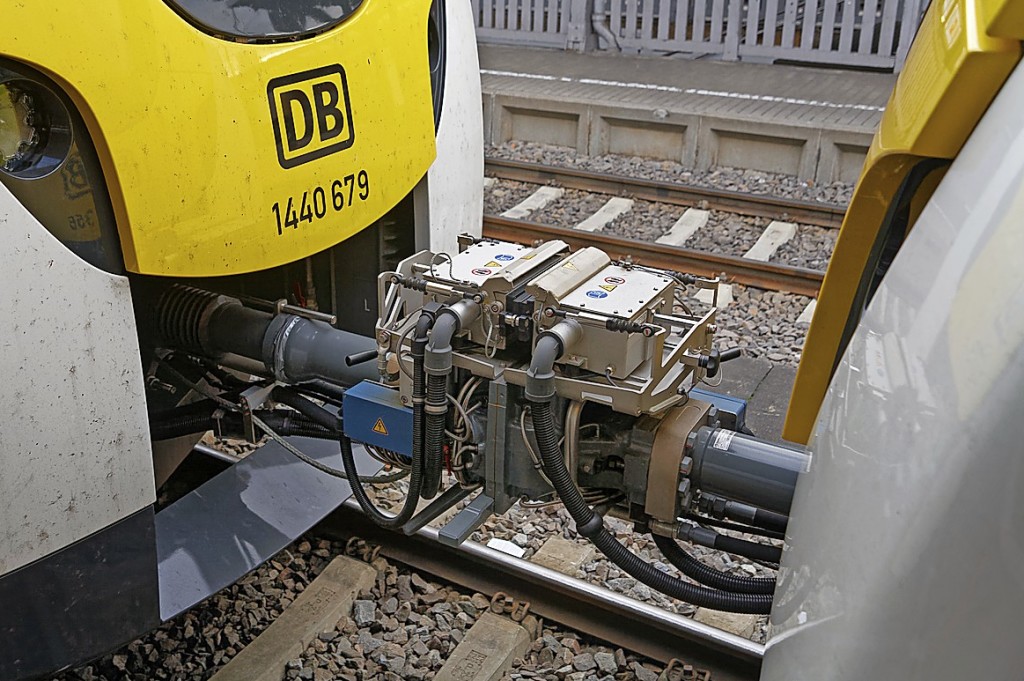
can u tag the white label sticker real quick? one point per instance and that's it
(723, 438)
(506, 547)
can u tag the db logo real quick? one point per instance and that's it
(311, 114)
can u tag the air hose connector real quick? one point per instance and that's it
(551, 344)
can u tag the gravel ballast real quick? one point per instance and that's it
(404, 627)
(646, 221)
(506, 194)
(764, 324)
(727, 233)
(733, 179)
(810, 247)
(572, 208)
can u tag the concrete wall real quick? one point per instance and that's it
(697, 141)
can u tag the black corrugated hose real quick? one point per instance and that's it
(436, 408)
(433, 460)
(591, 525)
(419, 343)
(705, 574)
(306, 407)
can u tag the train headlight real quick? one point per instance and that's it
(35, 130)
(48, 162)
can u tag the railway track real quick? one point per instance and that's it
(749, 270)
(758, 205)
(766, 275)
(742, 269)
(576, 604)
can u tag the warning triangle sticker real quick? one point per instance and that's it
(493, 263)
(607, 287)
(569, 266)
(380, 428)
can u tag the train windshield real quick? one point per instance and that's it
(265, 20)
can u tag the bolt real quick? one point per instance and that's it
(586, 468)
(383, 337)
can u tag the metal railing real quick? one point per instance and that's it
(850, 33)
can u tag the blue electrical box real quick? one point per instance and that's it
(375, 415)
(732, 411)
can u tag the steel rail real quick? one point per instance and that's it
(756, 273)
(828, 215)
(590, 609)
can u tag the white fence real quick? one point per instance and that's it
(849, 33)
(525, 22)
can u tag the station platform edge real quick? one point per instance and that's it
(809, 122)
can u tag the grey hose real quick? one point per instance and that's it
(438, 366)
(445, 328)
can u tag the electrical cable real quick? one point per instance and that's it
(401, 342)
(323, 468)
(705, 574)
(396, 521)
(230, 406)
(722, 542)
(762, 517)
(735, 527)
(185, 421)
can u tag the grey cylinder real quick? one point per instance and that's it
(293, 349)
(743, 468)
(298, 350)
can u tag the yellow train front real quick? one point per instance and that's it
(284, 152)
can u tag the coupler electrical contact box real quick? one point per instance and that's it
(375, 415)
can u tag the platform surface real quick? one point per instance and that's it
(791, 95)
(766, 387)
(809, 122)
